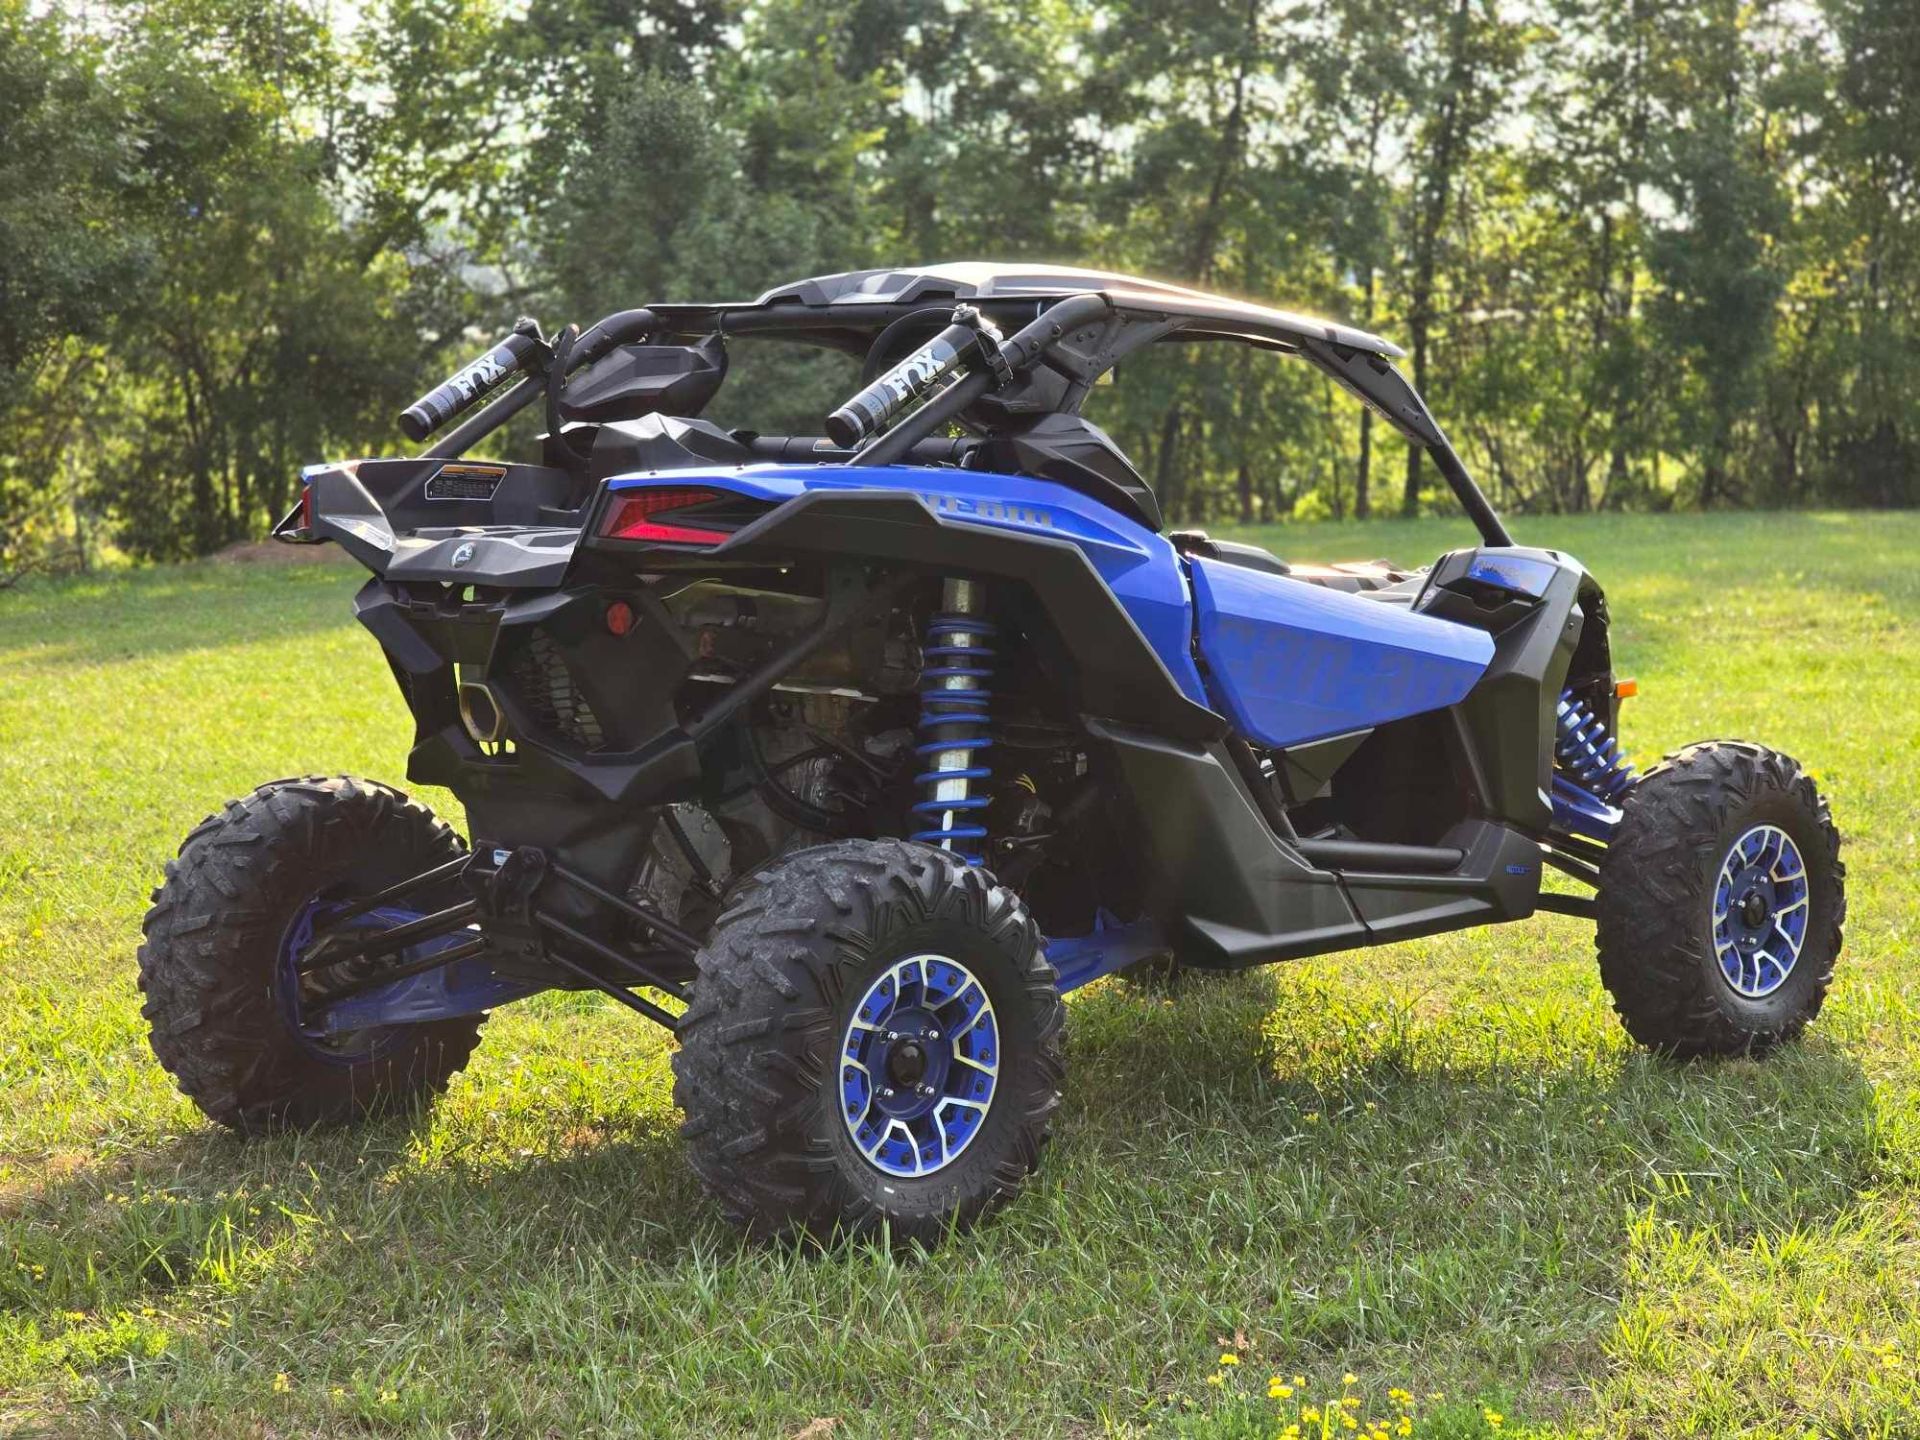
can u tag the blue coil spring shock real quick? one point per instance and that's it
(1586, 753)
(954, 701)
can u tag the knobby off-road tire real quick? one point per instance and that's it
(212, 965)
(1656, 899)
(759, 1069)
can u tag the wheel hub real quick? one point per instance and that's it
(906, 1063)
(919, 1064)
(1760, 911)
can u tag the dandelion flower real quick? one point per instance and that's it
(1227, 1357)
(1349, 1378)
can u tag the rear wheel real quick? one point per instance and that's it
(874, 1041)
(1721, 902)
(223, 998)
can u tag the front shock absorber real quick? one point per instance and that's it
(954, 701)
(1586, 753)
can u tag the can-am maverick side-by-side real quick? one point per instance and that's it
(845, 756)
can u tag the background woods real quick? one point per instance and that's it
(1641, 254)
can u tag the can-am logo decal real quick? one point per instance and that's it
(970, 509)
(463, 555)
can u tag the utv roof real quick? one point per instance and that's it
(861, 300)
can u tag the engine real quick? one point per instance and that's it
(849, 745)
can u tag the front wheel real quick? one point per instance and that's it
(874, 1041)
(1720, 903)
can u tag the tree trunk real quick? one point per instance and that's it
(1363, 473)
(1166, 463)
(1429, 220)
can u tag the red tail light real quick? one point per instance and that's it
(641, 516)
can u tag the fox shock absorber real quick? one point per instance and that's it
(1586, 753)
(970, 341)
(954, 701)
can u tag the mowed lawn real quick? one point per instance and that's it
(1436, 1168)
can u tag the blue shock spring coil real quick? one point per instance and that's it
(954, 701)
(1586, 753)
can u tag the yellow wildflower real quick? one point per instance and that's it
(387, 1397)
(282, 1383)
(1352, 1402)
(1218, 1377)
(1493, 1418)
(1399, 1396)
(1299, 1380)
(1227, 1357)
(1277, 1391)
(1406, 1425)
(1348, 1422)
(1349, 1378)
(1311, 1414)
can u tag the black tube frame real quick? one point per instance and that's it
(1369, 376)
(672, 938)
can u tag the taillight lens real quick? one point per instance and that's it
(642, 514)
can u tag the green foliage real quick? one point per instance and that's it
(1435, 1165)
(1643, 255)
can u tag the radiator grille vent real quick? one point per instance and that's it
(546, 687)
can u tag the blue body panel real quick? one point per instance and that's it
(1293, 661)
(1111, 945)
(1140, 567)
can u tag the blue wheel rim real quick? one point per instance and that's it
(919, 1065)
(1760, 911)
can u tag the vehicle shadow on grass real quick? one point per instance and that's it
(1331, 1176)
(1381, 1173)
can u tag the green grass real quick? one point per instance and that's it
(1435, 1166)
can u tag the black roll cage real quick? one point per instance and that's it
(1077, 335)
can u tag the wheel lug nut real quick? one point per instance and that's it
(933, 1034)
(887, 1091)
(926, 1089)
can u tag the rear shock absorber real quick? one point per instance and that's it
(1586, 753)
(954, 701)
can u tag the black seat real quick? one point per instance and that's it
(1251, 557)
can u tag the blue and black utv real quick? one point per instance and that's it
(845, 756)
